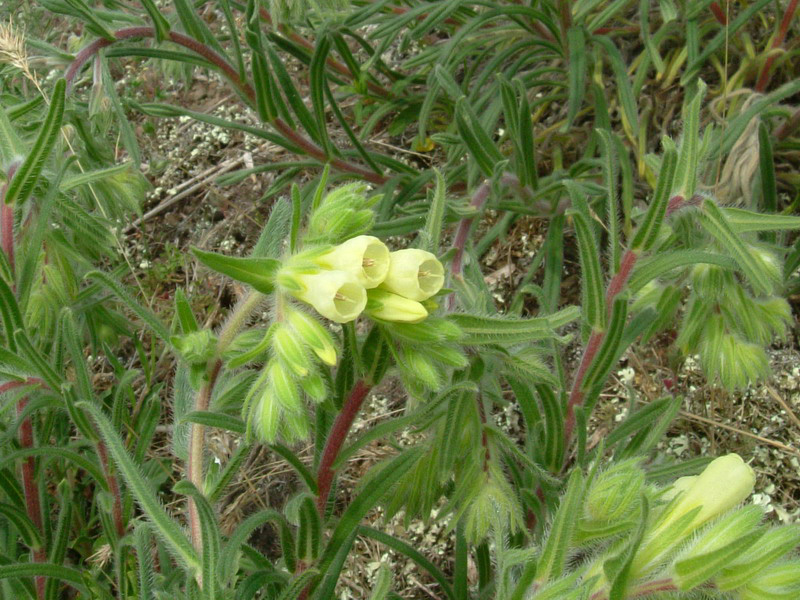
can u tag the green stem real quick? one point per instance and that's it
(194, 470)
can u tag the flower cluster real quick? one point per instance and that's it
(361, 275)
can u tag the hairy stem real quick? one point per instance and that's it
(33, 506)
(113, 487)
(615, 286)
(336, 438)
(232, 75)
(194, 469)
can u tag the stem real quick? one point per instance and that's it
(194, 469)
(232, 75)
(7, 219)
(335, 441)
(777, 41)
(615, 286)
(113, 487)
(33, 504)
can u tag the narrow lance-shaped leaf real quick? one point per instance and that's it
(576, 42)
(594, 302)
(165, 527)
(604, 360)
(120, 292)
(647, 233)
(556, 548)
(209, 535)
(689, 151)
(714, 221)
(434, 225)
(611, 175)
(256, 272)
(21, 186)
(159, 21)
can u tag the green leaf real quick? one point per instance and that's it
(21, 186)
(431, 236)
(694, 571)
(209, 536)
(660, 264)
(686, 173)
(215, 419)
(725, 33)
(627, 100)
(26, 529)
(412, 553)
(298, 466)
(559, 540)
(164, 526)
(122, 294)
(66, 574)
(230, 553)
(611, 175)
(344, 532)
(479, 143)
(606, 356)
(144, 560)
(259, 273)
(317, 83)
(766, 163)
(576, 42)
(713, 220)
(622, 563)
(478, 330)
(649, 228)
(127, 133)
(593, 290)
(743, 221)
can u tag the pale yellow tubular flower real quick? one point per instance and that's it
(387, 306)
(365, 256)
(415, 274)
(724, 483)
(335, 295)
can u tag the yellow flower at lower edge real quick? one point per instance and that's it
(335, 295)
(387, 306)
(725, 483)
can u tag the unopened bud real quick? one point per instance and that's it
(415, 274)
(335, 295)
(365, 257)
(314, 335)
(290, 351)
(283, 386)
(778, 582)
(196, 347)
(387, 306)
(314, 386)
(616, 493)
(417, 366)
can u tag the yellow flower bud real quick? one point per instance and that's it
(724, 483)
(387, 306)
(415, 274)
(365, 256)
(335, 295)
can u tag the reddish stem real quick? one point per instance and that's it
(194, 469)
(777, 41)
(719, 14)
(32, 503)
(330, 61)
(7, 218)
(336, 438)
(615, 286)
(113, 487)
(230, 72)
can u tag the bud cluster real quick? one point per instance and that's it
(362, 275)
(274, 405)
(695, 534)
